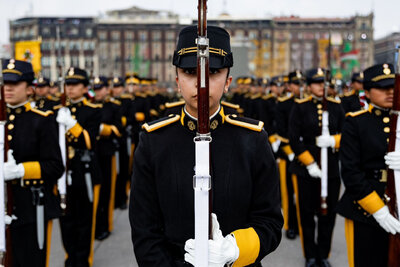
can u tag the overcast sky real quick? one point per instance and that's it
(386, 20)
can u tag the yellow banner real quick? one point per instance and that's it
(29, 51)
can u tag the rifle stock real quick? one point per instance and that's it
(394, 177)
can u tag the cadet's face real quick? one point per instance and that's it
(317, 89)
(53, 90)
(17, 93)
(101, 93)
(75, 91)
(381, 97)
(294, 89)
(187, 85)
(357, 86)
(117, 91)
(42, 91)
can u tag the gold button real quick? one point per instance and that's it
(378, 112)
(34, 182)
(320, 117)
(18, 110)
(386, 119)
(9, 138)
(10, 127)
(319, 124)
(387, 140)
(73, 109)
(27, 182)
(12, 117)
(386, 129)
(319, 106)
(320, 111)
(365, 213)
(74, 117)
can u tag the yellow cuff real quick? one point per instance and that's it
(306, 158)
(287, 149)
(87, 139)
(105, 130)
(337, 140)
(272, 139)
(32, 170)
(371, 203)
(76, 130)
(123, 121)
(283, 139)
(139, 116)
(249, 246)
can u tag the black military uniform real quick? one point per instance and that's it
(283, 110)
(304, 126)
(106, 148)
(77, 226)
(245, 186)
(363, 147)
(32, 135)
(48, 102)
(351, 100)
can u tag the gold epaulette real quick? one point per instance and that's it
(174, 104)
(157, 124)
(266, 97)
(303, 100)
(42, 113)
(356, 113)
(284, 98)
(144, 95)
(92, 105)
(57, 107)
(231, 105)
(352, 92)
(116, 102)
(126, 96)
(251, 124)
(331, 99)
(258, 95)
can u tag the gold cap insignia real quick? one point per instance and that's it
(97, 80)
(11, 64)
(298, 74)
(115, 80)
(40, 80)
(386, 69)
(320, 72)
(71, 72)
(362, 75)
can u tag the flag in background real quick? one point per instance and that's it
(29, 51)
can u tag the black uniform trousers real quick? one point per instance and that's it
(102, 220)
(367, 244)
(287, 195)
(76, 226)
(25, 247)
(309, 205)
(121, 196)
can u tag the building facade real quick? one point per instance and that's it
(142, 41)
(385, 48)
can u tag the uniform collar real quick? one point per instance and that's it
(78, 103)
(316, 99)
(18, 109)
(190, 123)
(378, 111)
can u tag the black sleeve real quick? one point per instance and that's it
(145, 216)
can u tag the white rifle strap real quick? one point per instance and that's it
(202, 186)
(2, 195)
(61, 183)
(397, 172)
(324, 156)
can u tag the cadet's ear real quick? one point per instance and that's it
(228, 84)
(367, 93)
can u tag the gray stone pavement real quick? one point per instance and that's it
(117, 250)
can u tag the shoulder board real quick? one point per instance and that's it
(356, 113)
(157, 124)
(266, 97)
(231, 105)
(331, 99)
(42, 113)
(57, 107)
(251, 124)
(284, 98)
(349, 93)
(304, 100)
(174, 104)
(116, 102)
(126, 96)
(93, 105)
(256, 96)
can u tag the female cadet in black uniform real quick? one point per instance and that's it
(362, 154)
(305, 139)
(245, 184)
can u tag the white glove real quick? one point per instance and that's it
(275, 145)
(325, 141)
(221, 250)
(389, 223)
(12, 170)
(8, 219)
(314, 170)
(392, 160)
(290, 157)
(64, 117)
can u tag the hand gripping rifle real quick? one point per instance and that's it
(393, 181)
(5, 232)
(325, 131)
(202, 178)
